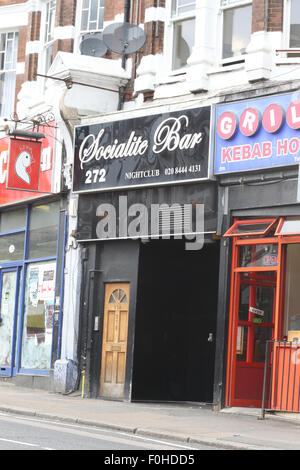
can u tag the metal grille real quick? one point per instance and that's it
(281, 390)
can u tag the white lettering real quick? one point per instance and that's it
(3, 161)
(295, 118)
(249, 120)
(46, 159)
(226, 125)
(167, 135)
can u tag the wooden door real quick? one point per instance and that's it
(114, 340)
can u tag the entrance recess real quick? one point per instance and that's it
(114, 340)
(174, 349)
(9, 294)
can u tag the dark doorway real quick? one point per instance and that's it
(175, 316)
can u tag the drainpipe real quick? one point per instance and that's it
(266, 15)
(126, 20)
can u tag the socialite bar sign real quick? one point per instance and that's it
(258, 134)
(143, 151)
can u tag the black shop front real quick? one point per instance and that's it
(147, 224)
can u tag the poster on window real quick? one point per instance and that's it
(38, 316)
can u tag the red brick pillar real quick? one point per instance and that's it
(275, 17)
(154, 31)
(267, 18)
(33, 34)
(267, 15)
(65, 16)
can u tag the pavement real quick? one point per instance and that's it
(230, 428)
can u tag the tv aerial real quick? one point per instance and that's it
(124, 38)
(92, 44)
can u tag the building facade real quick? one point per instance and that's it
(202, 116)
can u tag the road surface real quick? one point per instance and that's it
(27, 433)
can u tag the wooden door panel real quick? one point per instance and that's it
(123, 325)
(114, 343)
(108, 367)
(110, 329)
(121, 368)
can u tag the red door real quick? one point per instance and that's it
(254, 325)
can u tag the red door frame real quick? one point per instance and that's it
(281, 242)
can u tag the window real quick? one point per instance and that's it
(118, 296)
(38, 316)
(43, 230)
(31, 246)
(13, 220)
(12, 244)
(288, 226)
(237, 20)
(292, 292)
(8, 62)
(12, 247)
(183, 21)
(294, 24)
(250, 227)
(92, 13)
(49, 33)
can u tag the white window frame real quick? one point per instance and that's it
(14, 66)
(46, 35)
(173, 20)
(286, 26)
(223, 8)
(80, 32)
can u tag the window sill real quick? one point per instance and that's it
(228, 68)
(287, 61)
(172, 78)
(178, 72)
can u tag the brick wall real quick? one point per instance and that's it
(275, 21)
(66, 16)
(275, 15)
(65, 12)
(4, 3)
(113, 8)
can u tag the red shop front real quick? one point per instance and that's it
(264, 308)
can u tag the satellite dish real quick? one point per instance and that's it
(124, 38)
(93, 45)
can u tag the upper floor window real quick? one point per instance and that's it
(49, 33)
(294, 23)
(8, 63)
(237, 21)
(183, 21)
(92, 14)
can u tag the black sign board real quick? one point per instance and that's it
(144, 151)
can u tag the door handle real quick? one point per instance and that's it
(210, 338)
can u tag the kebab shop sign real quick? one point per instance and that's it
(258, 134)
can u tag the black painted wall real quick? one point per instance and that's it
(111, 261)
